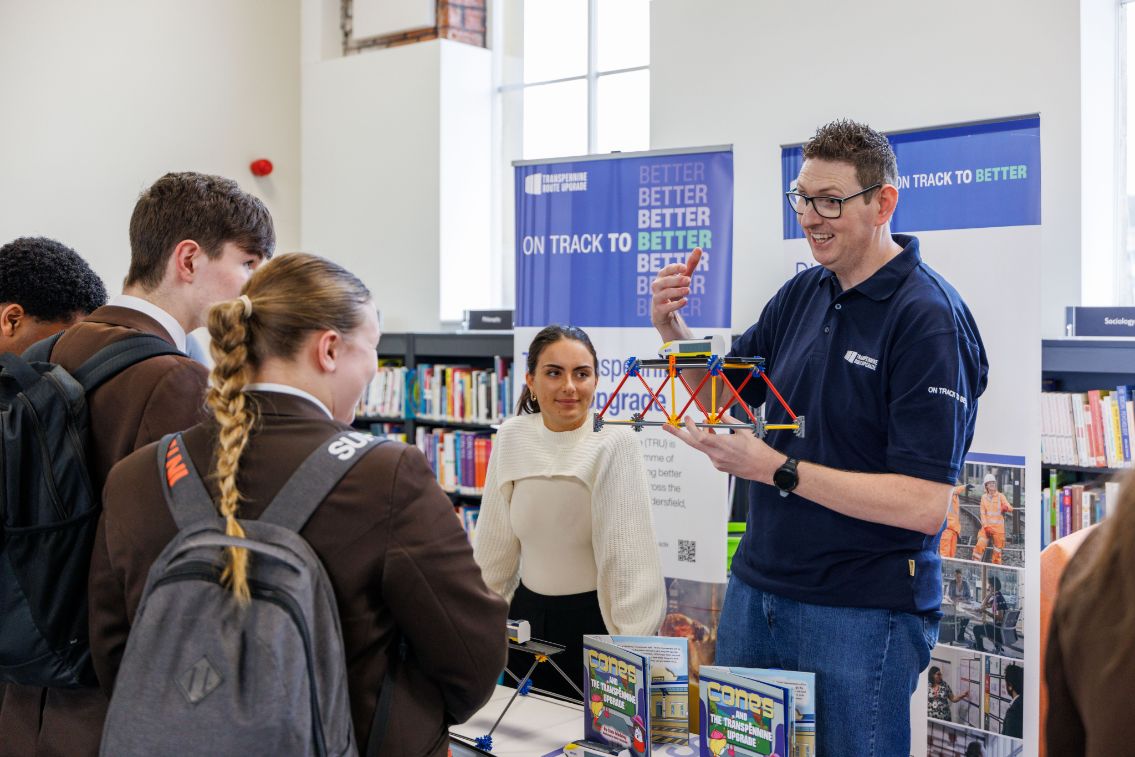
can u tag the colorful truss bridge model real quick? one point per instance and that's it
(699, 353)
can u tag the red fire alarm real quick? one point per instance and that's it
(261, 167)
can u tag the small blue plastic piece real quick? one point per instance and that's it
(525, 688)
(631, 366)
(484, 743)
(714, 363)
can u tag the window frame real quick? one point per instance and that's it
(592, 75)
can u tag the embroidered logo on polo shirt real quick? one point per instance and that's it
(855, 358)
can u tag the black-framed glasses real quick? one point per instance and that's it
(826, 207)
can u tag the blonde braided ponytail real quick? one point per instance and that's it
(284, 301)
(232, 370)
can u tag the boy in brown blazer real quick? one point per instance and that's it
(194, 240)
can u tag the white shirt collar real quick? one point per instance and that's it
(265, 386)
(168, 322)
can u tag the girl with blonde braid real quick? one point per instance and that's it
(292, 357)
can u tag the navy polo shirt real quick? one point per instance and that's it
(887, 375)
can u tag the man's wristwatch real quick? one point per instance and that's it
(785, 477)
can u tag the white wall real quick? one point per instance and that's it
(371, 199)
(374, 18)
(100, 99)
(465, 181)
(753, 74)
(396, 169)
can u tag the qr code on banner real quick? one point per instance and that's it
(687, 551)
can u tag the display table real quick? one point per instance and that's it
(538, 725)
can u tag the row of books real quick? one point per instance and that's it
(1088, 429)
(393, 431)
(459, 458)
(464, 394)
(390, 394)
(468, 514)
(1074, 506)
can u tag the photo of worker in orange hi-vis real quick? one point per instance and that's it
(994, 506)
(949, 544)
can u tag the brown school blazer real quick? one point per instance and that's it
(1089, 713)
(141, 404)
(398, 560)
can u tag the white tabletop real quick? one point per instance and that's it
(538, 726)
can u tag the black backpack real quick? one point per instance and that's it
(49, 510)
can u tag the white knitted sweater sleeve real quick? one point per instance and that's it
(632, 594)
(495, 546)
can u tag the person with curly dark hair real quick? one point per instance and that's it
(839, 572)
(45, 287)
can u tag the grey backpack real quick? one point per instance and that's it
(202, 675)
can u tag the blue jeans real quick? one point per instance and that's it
(866, 662)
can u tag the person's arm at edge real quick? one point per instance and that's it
(433, 587)
(1063, 730)
(108, 624)
(495, 546)
(625, 544)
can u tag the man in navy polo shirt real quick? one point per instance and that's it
(839, 572)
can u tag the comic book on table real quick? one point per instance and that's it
(750, 712)
(615, 695)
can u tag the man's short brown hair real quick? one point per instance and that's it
(858, 144)
(210, 210)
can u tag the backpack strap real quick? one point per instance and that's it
(316, 477)
(185, 492)
(40, 352)
(17, 367)
(115, 358)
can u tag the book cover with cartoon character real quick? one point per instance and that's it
(615, 693)
(742, 716)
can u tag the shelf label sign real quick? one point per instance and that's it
(958, 177)
(592, 233)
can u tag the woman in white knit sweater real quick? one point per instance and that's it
(565, 531)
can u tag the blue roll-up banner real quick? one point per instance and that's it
(591, 234)
(959, 177)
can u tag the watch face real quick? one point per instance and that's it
(784, 478)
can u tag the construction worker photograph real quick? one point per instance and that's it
(994, 506)
(949, 543)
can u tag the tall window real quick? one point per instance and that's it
(586, 77)
(574, 79)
